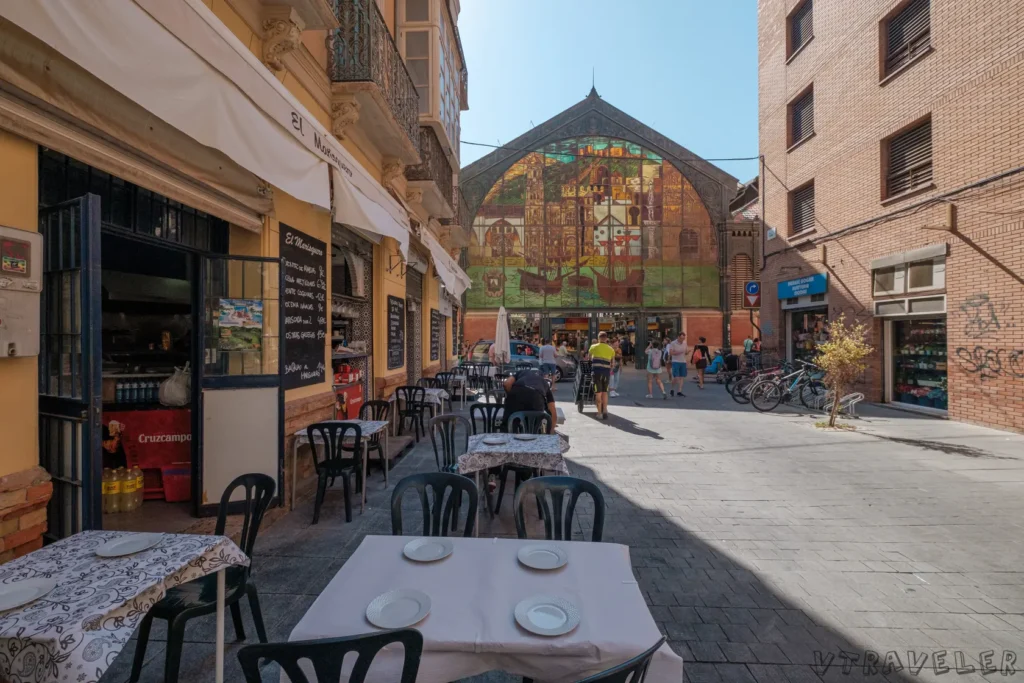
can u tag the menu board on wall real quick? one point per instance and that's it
(435, 334)
(304, 260)
(396, 332)
(455, 331)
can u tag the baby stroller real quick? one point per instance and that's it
(583, 388)
(730, 366)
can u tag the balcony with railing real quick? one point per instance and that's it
(433, 176)
(371, 87)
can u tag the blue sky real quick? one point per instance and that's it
(687, 68)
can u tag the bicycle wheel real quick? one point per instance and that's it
(740, 389)
(732, 380)
(812, 393)
(766, 396)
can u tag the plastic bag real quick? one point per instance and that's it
(176, 390)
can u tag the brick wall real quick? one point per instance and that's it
(23, 499)
(971, 85)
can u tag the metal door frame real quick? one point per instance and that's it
(86, 463)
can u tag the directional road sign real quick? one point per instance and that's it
(752, 294)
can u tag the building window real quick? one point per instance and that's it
(689, 243)
(802, 208)
(907, 34)
(885, 281)
(741, 270)
(417, 10)
(909, 160)
(417, 58)
(801, 118)
(910, 277)
(801, 27)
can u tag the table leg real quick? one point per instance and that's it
(476, 526)
(387, 456)
(295, 470)
(219, 674)
(366, 463)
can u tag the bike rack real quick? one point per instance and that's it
(847, 404)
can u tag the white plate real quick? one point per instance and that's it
(22, 592)
(543, 556)
(428, 549)
(495, 440)
(547, 615)
(525, 437)
(398, 608)
(128, 545)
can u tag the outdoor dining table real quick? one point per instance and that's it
(74, 633)
(430, 395)
(473, 594)
(369, 427)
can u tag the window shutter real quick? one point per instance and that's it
(909, 34)
(803, 209)
(802, 123)
(910, 160)
(801, 26)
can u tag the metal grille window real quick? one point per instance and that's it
(801, 118)
(801, 26)
(910, 160)
(802, 201)
(908, 34)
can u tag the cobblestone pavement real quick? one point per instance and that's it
(768, 550)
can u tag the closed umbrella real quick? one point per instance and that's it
(502, 348)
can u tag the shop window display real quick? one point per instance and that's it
(810, 330)
(919, 363)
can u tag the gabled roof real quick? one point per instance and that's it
(594, 116)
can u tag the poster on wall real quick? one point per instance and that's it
(240, 322)
(435, 334)
(396, 332)
(304, 260)
(147, 438)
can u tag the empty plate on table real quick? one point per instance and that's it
(543, 556)
(398, 608)
(428, 549)
(128, 545)
(547, 615)
(495, 440)
(525, 437)
(18, 593)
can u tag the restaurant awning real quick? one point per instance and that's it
(354, 208)
(453, 277)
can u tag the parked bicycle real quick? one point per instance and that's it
(805, 383)
(739, 387)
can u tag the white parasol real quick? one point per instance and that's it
(502, 348)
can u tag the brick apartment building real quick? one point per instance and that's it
(893, 145)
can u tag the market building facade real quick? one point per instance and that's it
(198, 256)
(904, 211)
(602, 224)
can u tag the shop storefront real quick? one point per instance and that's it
(413, 318)
(918, 361)
(805, 303)
(351, 320)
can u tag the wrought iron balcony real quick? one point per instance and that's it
(434, 176)
(371, 86)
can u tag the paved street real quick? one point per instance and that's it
(766, 548)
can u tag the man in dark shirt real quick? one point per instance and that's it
(527, 390)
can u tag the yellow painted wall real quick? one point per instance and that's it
(19, 377)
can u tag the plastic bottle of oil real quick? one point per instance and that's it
(107, 476)
(114, 493)
(136, 474)
(127, 490)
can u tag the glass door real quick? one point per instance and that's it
(70, 365)
(239, 425)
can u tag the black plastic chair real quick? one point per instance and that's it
(334, 464)
(376, 411)
(444, 381)
(557, 514)
(428, 383)
(481, 383)
(495, 396)
(632, 671)
(521, 422)
(443, 430)
(487, 413)
(524, 366)
(440, 508)
(326, 656)
(411, 401)
(198, 598)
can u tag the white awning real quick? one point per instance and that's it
(453, 277)
(128, 49)
(353, 208)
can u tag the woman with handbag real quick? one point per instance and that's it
(700, 359)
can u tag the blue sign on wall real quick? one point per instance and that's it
(812, 284)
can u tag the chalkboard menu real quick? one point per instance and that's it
(305, 308)
(396, 332)
(455, 331)
(436, 321)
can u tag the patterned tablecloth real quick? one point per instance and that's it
(431, 395)
(544, 452)
(75, 632)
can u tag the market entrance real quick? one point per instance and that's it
(145, 322)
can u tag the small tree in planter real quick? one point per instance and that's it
(842, 358)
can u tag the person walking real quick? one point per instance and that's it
(601, 358)
(548, 357)
(700, 359)
(654, 369)
(613, 386)
(678, 350)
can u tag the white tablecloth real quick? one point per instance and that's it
(471, 629)
(76, 631)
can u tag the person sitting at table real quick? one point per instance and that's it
(527, 390)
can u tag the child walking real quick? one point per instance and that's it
(655, 366)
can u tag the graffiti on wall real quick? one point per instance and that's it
(981, 317)
(593, 222)
(989, 363)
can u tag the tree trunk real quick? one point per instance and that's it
(837, 394)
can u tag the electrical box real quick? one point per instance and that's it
(21, 283)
